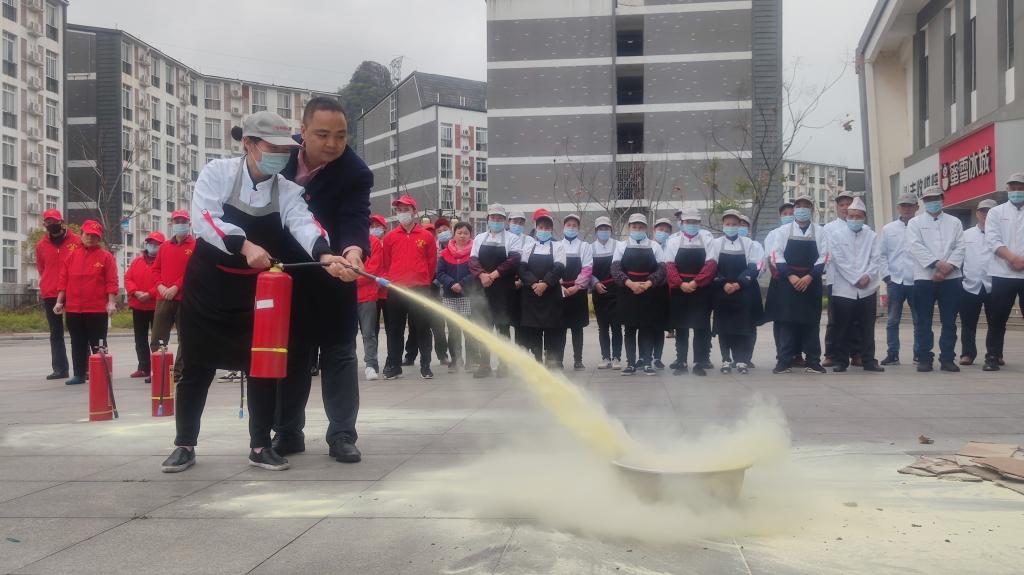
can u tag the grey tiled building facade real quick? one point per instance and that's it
(606, 106)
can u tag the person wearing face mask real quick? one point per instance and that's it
(516, 226)
(443, 234)
(734, 285)
(140, 285)
(690, 269)
(245, 215)
(87, 286)
(1004, 232)
(799, 253)
(843, 200)
(977, 285)
(604, 290)
(785, 218)
(542, 268)
(455, 278)
(937, 246)
(757, 306)
(52, 253)
(639, 271)
(370, 299)
(858, 266)
(579, 267)
(493, 262)
(169, 268)
(898, 275)
(662, 232)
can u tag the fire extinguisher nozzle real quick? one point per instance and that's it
(383, 282)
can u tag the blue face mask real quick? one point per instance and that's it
(802, 214)
(543, 235)
(933, 207)
(731, 231)
(377, 232)
(604, 235)
(179, 229)
(570, 233)
(855, 225)
(638, 235)
(661, 236)
(444, 236)
(743, 231)
(152, 249)
(495, 226)
(691, 229)
(271, 163)
(1015, 197)
(786, 220)
(516, 229)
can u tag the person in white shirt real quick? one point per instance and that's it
(843, 200)
(605, 292)
(785, 218)
(640, 274)
(579, 265)
(758, 249)
(494, 262)
(857, 267)
(1004, 231)
(936, 241)
(662, 233)
(541, 269)
(690, 269)
(735, 290)
(800, 252)
(898, 275)
(977, 284)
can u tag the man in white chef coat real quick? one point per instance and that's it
(977, 284)
(898, 274)
(1004, 231)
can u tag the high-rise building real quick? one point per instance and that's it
(31, 132)
(609, 107)
(823, 182)
(428, 139)
(141, 125)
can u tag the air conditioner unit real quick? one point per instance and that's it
(34, 158)
(236, 111)
(144, 58)
(465, 148)
(34, 28)
(465, 131)
(34, 134)
(144, 126)
(465, 179)
(145, 186)
(465, 162)
(33, 57)
(33, 283)
(32, 208)
(33, 183)
(143, 101)
(465, 194)
(34, 107)
(34, 5)
(35, 84)
(236, 91)
(183, 80)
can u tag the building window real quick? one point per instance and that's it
(214, 134)
(52, 173)
(52, 73)
(1011, 30)
(155, 153)
(10, 10)
(126, 102)
(126, 58)
(193, 91)
(951, 56)
(193, 129)
(259, 100)
(447, 140)
(10, 170)
(10, 107)
(194, 163)
(10, 55)
(172, 195)
(170, 119)
(10, 252)
(447, 167)
(481, 170)
(447, 198)
(392, 176)
(392, 147)
(212, 157)
(970, 59)
(155, 198)
(481, 200)
(922, 88)
(154, 78)
(393, 113)
(10, 211)
(127, 197)
(169, 81)
(284, 105)
(51, 202)
(170, 158)
(211, 100)
(52, 126)
(52, 22)
(481, 139)
(126, 144)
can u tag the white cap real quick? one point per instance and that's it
(858, 204)
(844, 194)
(496, 210)
(516, 215)
(744, 218)
(571, 217)
(665, 221)
(637, 219)
(689, 214)
(907, 198)
(803, 198)
(602, 221)
(932, 192)
(987, 204)
(1017, 178)
(735, 213)
(268, 127)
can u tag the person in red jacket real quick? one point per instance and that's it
(87, 287)
(409, 259)
(52, 252)
(140, 285)
(169, 269)
(371, 298)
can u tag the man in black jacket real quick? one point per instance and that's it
(337, 188)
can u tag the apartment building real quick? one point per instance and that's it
(823, 182)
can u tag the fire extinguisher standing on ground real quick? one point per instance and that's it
(102, 406)
(162, 390)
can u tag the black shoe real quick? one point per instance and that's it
(699, 371)
(706, 365)
(924, 367)
(891, 360)
(990, 365)
(284, 445)
(425, 372)
(839, 368)
(743, 369)
(649, 370)
(814, 368)
(314, 371)
(751, 365)
(57, 375)
(482, 372)
(874, 367)
(578, 366)
(659, 365)
(949, 366)
(392, 372)
(179, 460)
(680, 369)
(726, 368)
(629, 370)
(408, 361)
(267, 458)
(782, 368)
(674, 365)
(344, 451)
(917, 359)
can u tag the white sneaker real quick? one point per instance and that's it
(616, 364)
(371, 374)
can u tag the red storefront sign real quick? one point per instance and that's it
(968, 166)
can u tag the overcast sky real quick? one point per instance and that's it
(320, 45)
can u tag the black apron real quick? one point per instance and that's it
(498, 297)
(801, 253)
(219, 290)
(640, 310)
(604, 304)
(691, 310)
(575, 311)
(545, 311)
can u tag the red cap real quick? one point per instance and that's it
(53, 214)
(180, 214)
(379, 219)
(156, 237)
(442, 221)
(406, 200)
(92, 227)
(542, 213)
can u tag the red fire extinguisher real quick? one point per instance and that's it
(102, 406)
(162, 382)
(270, 324)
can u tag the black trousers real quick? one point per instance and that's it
(1004, 292)
(701, 349)
(190, 401)
(142, 321)
(399, 311)
(577, 344)
(970, 311)
(58, 352)
(644, 338)
(609, 337)
(544, 343)
(737, 346)
(796, 337)
(832, 329)
(483, 315)
(659, 345)
(339, 386)
(86, 329)
(855, 325)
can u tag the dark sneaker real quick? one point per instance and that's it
(891, 360)
(425, 372)
(751, 365)
(392, 372)
(838, 368)
(267, 458)
(725, 369)
(649, 370)
(74, 381)
(629, 370)
(949, 366)
(782, 368)
(680, 369)
(674, 365)
(815, 368)
(659, 365)
(56, 375)
(873, 366)
(706, 365)
(179, 460)
(699, 371)
(344, 451)
(285, 445)
(578, 366)
(742, 369)
(408, 361)
(924, 367)
(990, 365)
(314, 371)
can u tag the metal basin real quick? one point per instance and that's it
(698, 488)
